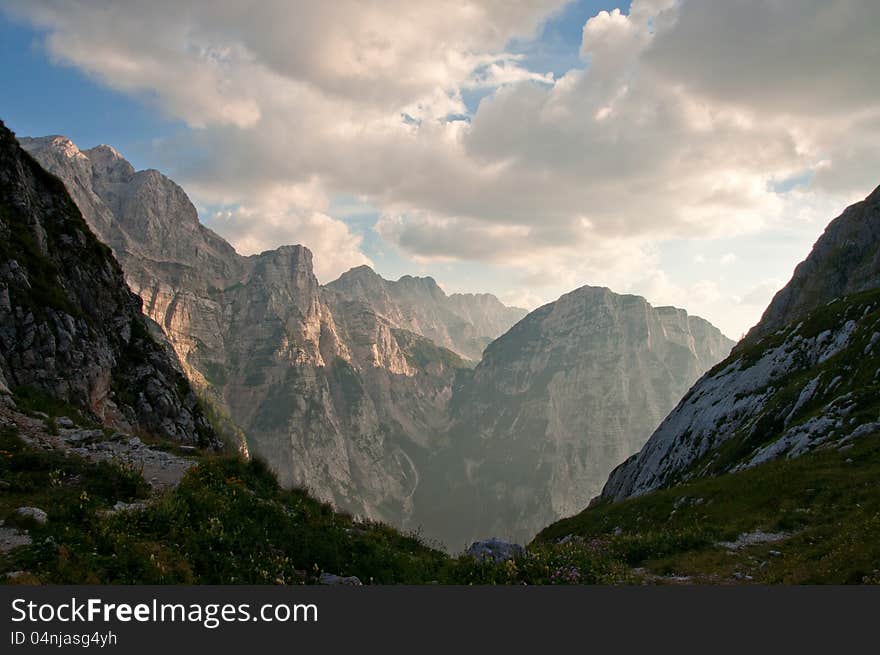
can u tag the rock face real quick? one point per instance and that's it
(569, 392)
(34, 514)
(69, 326)
(806, 377)
(463, 323)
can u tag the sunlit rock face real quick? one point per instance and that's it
(805, 378)
(463, 323)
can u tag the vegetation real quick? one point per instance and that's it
(814, 519)
(227, 522)
(823, 507)
(230, 522)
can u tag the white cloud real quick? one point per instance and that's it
(682, 120)
(285, 215)
(254, 229)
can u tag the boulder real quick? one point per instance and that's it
(332, 579)
(496, 550)
(34, 513)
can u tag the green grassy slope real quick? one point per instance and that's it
(825, 506)
(227, 522)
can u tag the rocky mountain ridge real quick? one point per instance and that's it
(358, 390)
(336, 393)
(464, 323)
(845, 260)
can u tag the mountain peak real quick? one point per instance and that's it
(104, 150)
(363, 269)
(58, 145)
(426, 282)
(360, 273)
(107, 162)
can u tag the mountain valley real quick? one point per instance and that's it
(377, 395)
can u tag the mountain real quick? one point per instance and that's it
(464, 323)
(361, 390)
(806, 378)
(69, 326)
(556, 402)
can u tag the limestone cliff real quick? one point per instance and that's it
(332, 391)
(359, 390)
(559, 400)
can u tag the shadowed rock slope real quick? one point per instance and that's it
(845, 260)
(332, 390)
(69, 326)
(569, 392)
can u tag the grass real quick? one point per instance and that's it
(227, 522)
(826, 502)
(51, 479)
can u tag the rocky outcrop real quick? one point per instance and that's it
(69, 326)
(559, 400)
(463, 323)
(806, 377)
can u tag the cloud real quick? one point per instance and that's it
(679, 123)
(760, 294)
(255, 228)
(791, 57)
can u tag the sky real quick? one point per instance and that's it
(687, 151)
